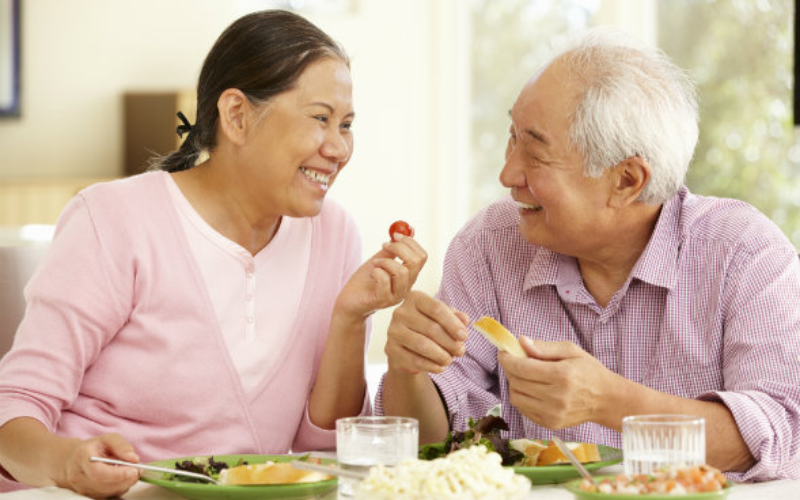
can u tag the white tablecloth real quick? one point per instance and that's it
(778, 490)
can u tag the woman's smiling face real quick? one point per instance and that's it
(302, 141)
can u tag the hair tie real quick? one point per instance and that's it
(185, 128)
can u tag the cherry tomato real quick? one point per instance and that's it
(401, 227)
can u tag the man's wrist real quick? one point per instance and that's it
(621, 398)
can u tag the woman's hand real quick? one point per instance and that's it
(94, 479)
(382, 281)
(34, 456)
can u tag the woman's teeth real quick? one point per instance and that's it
(316, 176)
(526, 206)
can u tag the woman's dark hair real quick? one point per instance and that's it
(262, 54)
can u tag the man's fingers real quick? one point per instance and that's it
(428, 339)
(414, 363)
(424, 335)
(549, 351)
(462, 316)
(527, 385)
(417, 354)
(532, 369)
(445, 318)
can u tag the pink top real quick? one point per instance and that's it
(121, 336)
(236, 281)
(710, 311)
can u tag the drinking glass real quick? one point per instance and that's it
(652, 442)
(362, 442)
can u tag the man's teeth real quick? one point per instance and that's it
(316, 176)
(527, 206)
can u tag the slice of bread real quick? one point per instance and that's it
(498, 335)
(584, 452)
(269, 473)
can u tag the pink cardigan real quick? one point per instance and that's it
(119, 335)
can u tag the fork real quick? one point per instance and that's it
(572, 458)
(153, 468)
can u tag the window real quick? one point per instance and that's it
(739, 54)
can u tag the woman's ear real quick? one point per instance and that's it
(631, 177)
(233, 106)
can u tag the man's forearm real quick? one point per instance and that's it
(725, 447)
(416, 396)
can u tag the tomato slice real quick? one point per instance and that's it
(401, 227)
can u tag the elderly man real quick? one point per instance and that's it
(629, 294)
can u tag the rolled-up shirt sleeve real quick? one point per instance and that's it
(466, 388)
(761, 365)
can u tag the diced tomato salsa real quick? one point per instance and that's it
(697, 479)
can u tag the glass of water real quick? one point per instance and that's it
(362, 442)
(652, 442)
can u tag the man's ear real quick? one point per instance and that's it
(233, 106)
(630, 178)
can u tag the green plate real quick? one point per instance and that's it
(575, 488)
(201, 491)
(548, 474)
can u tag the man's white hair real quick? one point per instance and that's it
(632, 101)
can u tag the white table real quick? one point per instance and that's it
(779, 490)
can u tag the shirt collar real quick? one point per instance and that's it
(543, 269)
(658, 264)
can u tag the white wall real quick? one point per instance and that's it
(80, 56)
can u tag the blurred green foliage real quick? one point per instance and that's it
(739, 52)
(510, 39)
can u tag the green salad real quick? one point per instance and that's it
(484, 432)
(206, 466)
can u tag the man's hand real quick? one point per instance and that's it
(559, 385)
(425, 335)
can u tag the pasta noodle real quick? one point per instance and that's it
(469, 474)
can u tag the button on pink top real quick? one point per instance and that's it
(236, 281)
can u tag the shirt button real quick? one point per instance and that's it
(249, 297)
(250, 319)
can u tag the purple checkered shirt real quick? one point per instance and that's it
(711, 311)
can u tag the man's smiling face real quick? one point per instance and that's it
(560, 208)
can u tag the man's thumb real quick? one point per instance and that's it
(548, 351)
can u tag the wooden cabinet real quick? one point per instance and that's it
(150, 123)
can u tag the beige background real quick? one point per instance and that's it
(80, 56)
(410, 64)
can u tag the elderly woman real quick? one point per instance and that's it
(215, 305)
